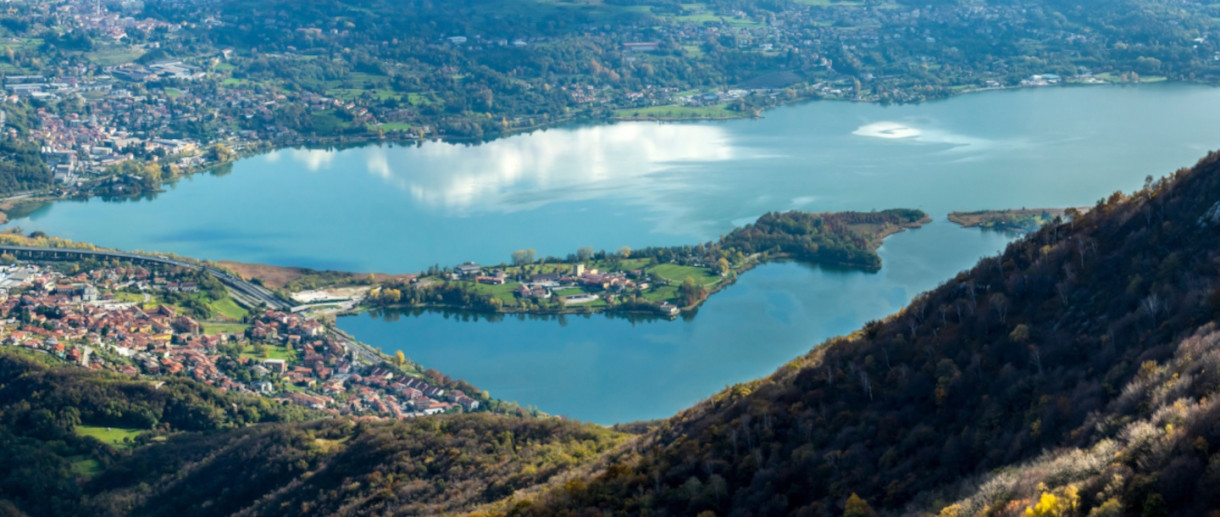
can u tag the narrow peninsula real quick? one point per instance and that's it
(1018, 220)
(655, 280)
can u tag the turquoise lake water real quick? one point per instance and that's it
(404, 208)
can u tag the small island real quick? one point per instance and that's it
(1018, 221)
(657, 280)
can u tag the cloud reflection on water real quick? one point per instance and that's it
(528, 171)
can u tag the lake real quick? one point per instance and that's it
(404, 208)
(611, 369)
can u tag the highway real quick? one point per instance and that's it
(245, 292)
(251, 294)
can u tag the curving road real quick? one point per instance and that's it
(251, 294)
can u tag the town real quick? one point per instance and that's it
(127, 104)
(158, 322)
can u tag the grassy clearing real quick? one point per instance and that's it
(23, 44)
(693, 51)
(114, 55)
(272, 352)
(503, 292)
(676, 274)
(212, 328)
(707, 17)
(419, 99)
(124, 296)
(85, 468)
(173, 92)
(620, 265)
(350, 94)
(674, 111)
(394, 126)
(120, 436)
(227, 308)
(661, 294)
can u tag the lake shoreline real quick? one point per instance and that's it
(258, 147)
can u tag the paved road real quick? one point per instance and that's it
(251, 293)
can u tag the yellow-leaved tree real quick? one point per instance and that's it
(1061, 503)
(856, 506)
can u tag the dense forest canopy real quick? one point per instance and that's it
(840, 238)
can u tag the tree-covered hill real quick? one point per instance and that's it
(344, 467)
(840, 238)
(45, 410)
(193, 450)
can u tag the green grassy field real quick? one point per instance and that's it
(211, 327)
(124, 296)
(114, 55)
(273, 352)
(23, 44)
(503, 292)
(86, 468)
(226, 308)
(693, 51)
(663, 293)
(674, 111)
(109, 435)
(676, 274)
(620, 265)
(349, 94)
(394, 126)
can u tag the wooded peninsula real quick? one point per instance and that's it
(664, 280)
(1017, 220)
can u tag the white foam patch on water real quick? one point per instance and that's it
(891, 130)
(887, 129)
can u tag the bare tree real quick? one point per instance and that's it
(999, 302)
(1153, 305)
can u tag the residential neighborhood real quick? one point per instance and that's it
(98, 319)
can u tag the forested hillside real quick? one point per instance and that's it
(1076, 372)
(193, 450)
(21, 165)
(46, 409)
